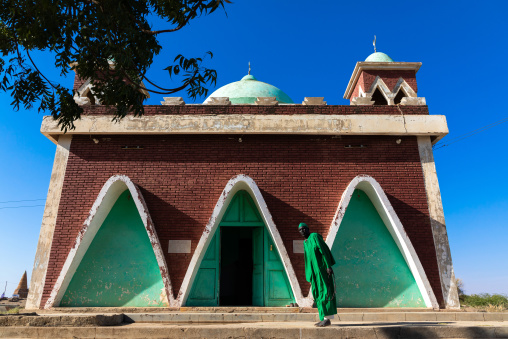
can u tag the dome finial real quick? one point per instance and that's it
(374, 43)
(249, 67)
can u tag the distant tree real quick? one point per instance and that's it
(89, 35)
(460, 287)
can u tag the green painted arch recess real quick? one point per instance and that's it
(119, 269)
(370, 270)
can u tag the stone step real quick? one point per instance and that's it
(268, 330)
(58, 320)
(187, 317)
(224, 310)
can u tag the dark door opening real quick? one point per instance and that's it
(236, 266)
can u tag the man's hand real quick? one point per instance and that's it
(329, 271)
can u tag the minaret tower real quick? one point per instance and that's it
(381, 81)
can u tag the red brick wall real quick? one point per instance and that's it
(78, 82)
(301, 178)
(264, 110)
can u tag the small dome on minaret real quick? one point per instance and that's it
(379, 57)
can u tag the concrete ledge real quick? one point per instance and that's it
(62, 320)
(185, 317)
(263, 330)
(301, 124)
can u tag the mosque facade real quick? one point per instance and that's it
(199, 205)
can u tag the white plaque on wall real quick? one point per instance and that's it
(297, 246)
(179, 246)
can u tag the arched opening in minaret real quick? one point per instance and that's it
(90, 97)
(379, 98)
(399, 96)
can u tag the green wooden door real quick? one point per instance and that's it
(205, 290)
(257, 260)
(270, 285)
(277, 288)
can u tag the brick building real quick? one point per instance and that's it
(198, 205)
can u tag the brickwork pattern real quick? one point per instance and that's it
(301, 178)
(390, 78)
(78, 82)
(264, 110)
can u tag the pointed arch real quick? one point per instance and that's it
(84, 95)
(105, 201)
(383, 206)
(404, 87)
(235, 184)
(383, 89)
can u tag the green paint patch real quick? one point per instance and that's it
(370, 270)
(119, 268)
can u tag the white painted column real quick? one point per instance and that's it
(437, 221)
(38, 277)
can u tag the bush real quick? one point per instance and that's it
(484, 300)
(14, 310)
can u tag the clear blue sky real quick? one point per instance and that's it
(310, 49)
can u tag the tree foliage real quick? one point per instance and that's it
(109, 41)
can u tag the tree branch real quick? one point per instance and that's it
(38, 71)
(183, 24)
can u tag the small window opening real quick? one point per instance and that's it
(379, 98)
(399, 96)
(90, 97)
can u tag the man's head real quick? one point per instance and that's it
(304, 230)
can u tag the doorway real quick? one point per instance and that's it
(241, 265)
(236, 266)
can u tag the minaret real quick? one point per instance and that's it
(22, 288)
(381, 81)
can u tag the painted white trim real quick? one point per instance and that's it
(410, 97)
(380, 201)
(107, 197)
(438, 224)
(80, 97)
(42, 255)
(383, 88)
(275, 124)
(237, 183)
(402, 84)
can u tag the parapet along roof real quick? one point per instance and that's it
(247, 90)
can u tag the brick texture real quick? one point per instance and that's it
(301, 178)
(366, 79)
(78, 82)
(264, 110)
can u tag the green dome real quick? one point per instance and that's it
(247, 90)
(379, 57)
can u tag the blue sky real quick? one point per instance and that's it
(310, 49)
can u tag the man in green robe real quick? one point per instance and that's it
(318, 271)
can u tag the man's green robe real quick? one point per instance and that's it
(317, 259)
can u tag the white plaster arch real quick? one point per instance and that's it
(361, 93)
(80, 96)
(107, 197)
(235, 184)
(380, 84)
(403, 85)
(383, 206)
